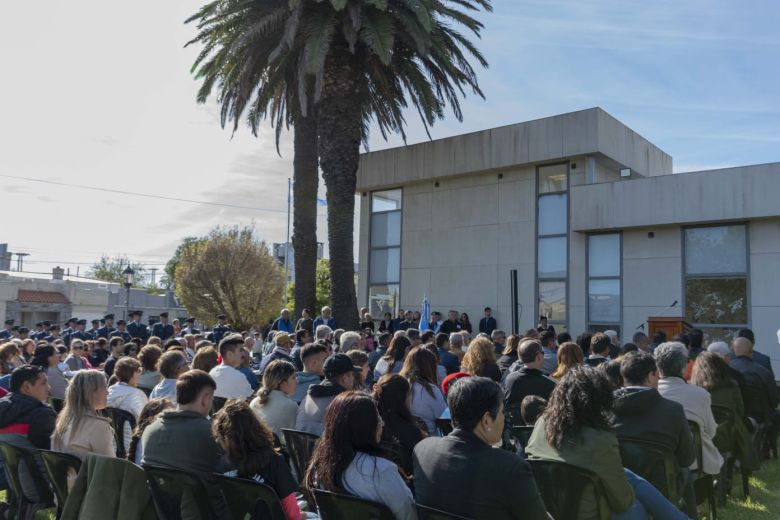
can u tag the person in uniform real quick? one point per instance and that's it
(38, 330)
(79, 332)
(220, 330)
(106, 330)
(54, 332)
(93, 332)
(23, 332)
(162, 329)
(190, 328)
(136, 328)
(67, 332)
(121, 332)
(8, 330)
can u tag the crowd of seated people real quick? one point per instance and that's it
(380, 411)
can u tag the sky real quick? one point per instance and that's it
(100, 94)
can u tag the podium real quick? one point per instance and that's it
(671, 325)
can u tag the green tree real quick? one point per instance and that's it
(169, 280)
(230, 272)
(323, 288)
(111, 269)
(354, 61)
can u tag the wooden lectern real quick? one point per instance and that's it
(671, 325)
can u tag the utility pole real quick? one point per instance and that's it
(20, 261)
(154, 275)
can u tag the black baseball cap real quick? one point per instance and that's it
(338, 364)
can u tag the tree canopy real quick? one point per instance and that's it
(110, 269)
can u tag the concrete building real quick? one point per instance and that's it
(588, 212)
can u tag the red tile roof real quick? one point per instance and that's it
(41, 297)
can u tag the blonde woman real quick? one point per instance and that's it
(569, 356)
(480, 360)
(273, 404)
(80, 430)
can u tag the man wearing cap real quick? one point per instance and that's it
(78, 332)
(220, 330)
(136, 328)
(339, 377)
(93, 332)
(283, 345)
(106, 330)
(162, 329)
(190, 328)
(8, 330)
(70, 328)
(121, 332)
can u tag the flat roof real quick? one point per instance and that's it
(25, 275)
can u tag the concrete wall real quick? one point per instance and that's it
(764, 240)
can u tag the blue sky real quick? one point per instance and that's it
(99, 94)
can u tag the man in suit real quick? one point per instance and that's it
(106, 330)
(136, 328)
(121, 331)
(759, 357)
(758, 377)
(488, 323)
(220, 330)
(543, 326)
(162, 329)
(93, 332)
(8, 330)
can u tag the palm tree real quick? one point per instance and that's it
(237, 37)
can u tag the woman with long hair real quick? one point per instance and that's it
(393, 360)
(575, 429)
(466, 323)
(349, 458)
(47, 358)
(427, 400)
(583, 340)
(125, 394)
(401, 433)
(386, 325)
(148, 415)
(569, 355)
(273, 405)
(249, 453)
(28, 350)
(80, 430)
(509, 355)
(9, 355)
(480, 360)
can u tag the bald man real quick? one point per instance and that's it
(758, 379)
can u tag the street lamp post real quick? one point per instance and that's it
(128, 275)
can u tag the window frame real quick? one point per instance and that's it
(588, 278)
(371, 213)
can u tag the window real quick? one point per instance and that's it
(384, 257)
(552, 243)
(604, 282)
(716, 278)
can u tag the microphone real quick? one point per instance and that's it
(642, 325)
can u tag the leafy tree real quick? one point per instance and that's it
(323, 288)
(230, 272)
(111, 269)
(169, 280)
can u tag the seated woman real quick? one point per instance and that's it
(348, 458)
(273, 405)
(427, 400)
(80, 430)
(172, 364)
(125, 395)
(480, 360)
(575, 429)
(393, 396)
(490, 483)
(148, 415)
(569, 355)
(393, 360)
(47, 358)
(509, 354)
(76, 360)
(149, 358)
(249, 453)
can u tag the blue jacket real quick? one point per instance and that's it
(448, 360)
(319, 320)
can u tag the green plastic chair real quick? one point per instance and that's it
(168, 486)
(58, 465)
(522, 434)
(300, 445)
(562, 487)
(654, 463)
(335, 506)
(249, 500)
(119, 418)
(703, 483)
(429, 513)
(13, 457)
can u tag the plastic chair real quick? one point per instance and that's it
(654, 463)
(57, 404)
(335, 506)
(429, 513)
(703, 483)
(168, 487)
(58, 465)
(522, 434)
(444, 426)
(217, 404)
(562, 487)
(13, 457)
(249, 499)
(119, 418)
(301, 446)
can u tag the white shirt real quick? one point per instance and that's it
(231, 384)
(130, 399)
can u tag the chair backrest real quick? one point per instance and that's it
(522, 434)
(563, 486)
(655, 463)
(301, 446)
(697, 446)
(170, 486)
(57, 466)
(57, 404)
(429, 513)
(13, 458)
(335, 506)
(249, 499)
(727, 423)
(757, 403)
(119, 418)
(444, 426)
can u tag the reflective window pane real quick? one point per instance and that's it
(385, 200)
(553, 178)
(604, 300)
(604, 255)
(386, 229)
(552, 257)
(385, 266)
(720, 249)
(382, 299)
(553, 214)
(597, 327)
(716, 300)
(552, 300)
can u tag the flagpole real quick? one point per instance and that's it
(287, 245)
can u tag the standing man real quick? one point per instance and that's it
(136, 328)
(325, 318)
(543, 326)
(106, 330)
(488, 324)
(220, 330)
(397, 322)
(70, 327)
(93, 332)
(38, 330)
(162, 329)
(78, 332)
(121, 332)
(452, 324)
(8, 330)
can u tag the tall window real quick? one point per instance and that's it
(604, 282)
(716, 279)
(384, 264)
(552, 231)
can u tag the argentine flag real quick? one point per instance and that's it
(425, 314)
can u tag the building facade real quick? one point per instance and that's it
(600, 231)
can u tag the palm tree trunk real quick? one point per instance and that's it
(339, 123)
(304, 239)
